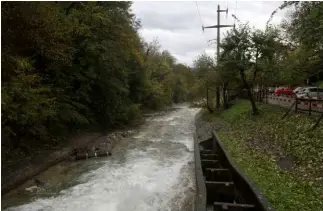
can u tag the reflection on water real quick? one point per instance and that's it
(152, 170)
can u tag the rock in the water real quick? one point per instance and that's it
(31, 188)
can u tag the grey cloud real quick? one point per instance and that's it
(174, 40)
(177, 25)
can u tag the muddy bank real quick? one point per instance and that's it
(15, 175)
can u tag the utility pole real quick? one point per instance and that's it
(218, 26)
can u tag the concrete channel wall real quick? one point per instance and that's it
(249, 187)
(200, 197)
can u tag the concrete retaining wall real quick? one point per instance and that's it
(200, 197)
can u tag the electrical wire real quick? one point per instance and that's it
(235, 14)
(235, 9)
(198, 10)
(227, 11)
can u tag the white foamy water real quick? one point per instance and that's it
(153, 170)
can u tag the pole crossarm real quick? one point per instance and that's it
(217, 26)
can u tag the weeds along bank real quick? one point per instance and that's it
(283, 157)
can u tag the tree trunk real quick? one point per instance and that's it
(255, 72)
(217, 97)
(207, 97)
(225, 100)
(250, 97)
(146, 56)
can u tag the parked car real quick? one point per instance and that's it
(283, 91)
(298, 89)
(311, 92)
(271, 89)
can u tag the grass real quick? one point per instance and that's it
(256, 143)
(320, 84)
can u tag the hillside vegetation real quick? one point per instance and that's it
(75, 66)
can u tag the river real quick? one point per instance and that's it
(150, 170)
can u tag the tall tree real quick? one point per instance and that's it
(69, 66)
(206, 66)
(237, 44)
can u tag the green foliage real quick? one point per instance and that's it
(168, 81)
(303, 28)
(69, 66)
(206, 75)
(320, 84)
(289, 54)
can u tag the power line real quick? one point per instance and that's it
(198, 10)
(227, 11)
(235, 15)
(235, 10)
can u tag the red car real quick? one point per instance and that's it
(283, 91)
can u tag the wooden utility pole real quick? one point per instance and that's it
(218, 26)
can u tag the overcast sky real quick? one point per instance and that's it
(177, 24)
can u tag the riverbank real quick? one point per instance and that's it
(24, 168)
(282, 157)
(152, 169)
(21, 169)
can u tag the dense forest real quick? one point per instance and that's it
(289, 54)
(73, 66)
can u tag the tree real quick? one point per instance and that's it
(287, 55)
(206, 73)
(237, 48)
(71, 66)
(303, 27)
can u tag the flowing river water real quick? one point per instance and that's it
(151, 170)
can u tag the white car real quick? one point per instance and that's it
(298, 89)
(310, 92)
